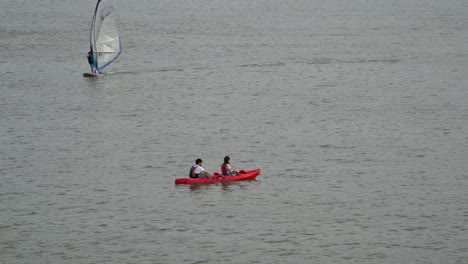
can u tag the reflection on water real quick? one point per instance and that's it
(227, 186)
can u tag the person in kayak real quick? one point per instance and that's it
(197, 171)
(227, 169)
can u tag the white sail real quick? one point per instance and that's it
(104, 37)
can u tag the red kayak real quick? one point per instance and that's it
(243, 176)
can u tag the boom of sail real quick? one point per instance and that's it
(104, 37)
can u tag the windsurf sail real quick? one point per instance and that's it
(105, 43)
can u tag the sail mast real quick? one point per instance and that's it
(93, 37)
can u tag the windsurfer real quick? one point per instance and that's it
(91, 64)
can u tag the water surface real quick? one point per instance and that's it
(356, 112)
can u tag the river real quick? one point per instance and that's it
(355, 111)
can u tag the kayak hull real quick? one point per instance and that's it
(244, 176)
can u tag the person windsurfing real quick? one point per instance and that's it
(91, 63)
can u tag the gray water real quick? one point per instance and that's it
(356, 112)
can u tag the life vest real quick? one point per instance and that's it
(224, 169)
(192, 172)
